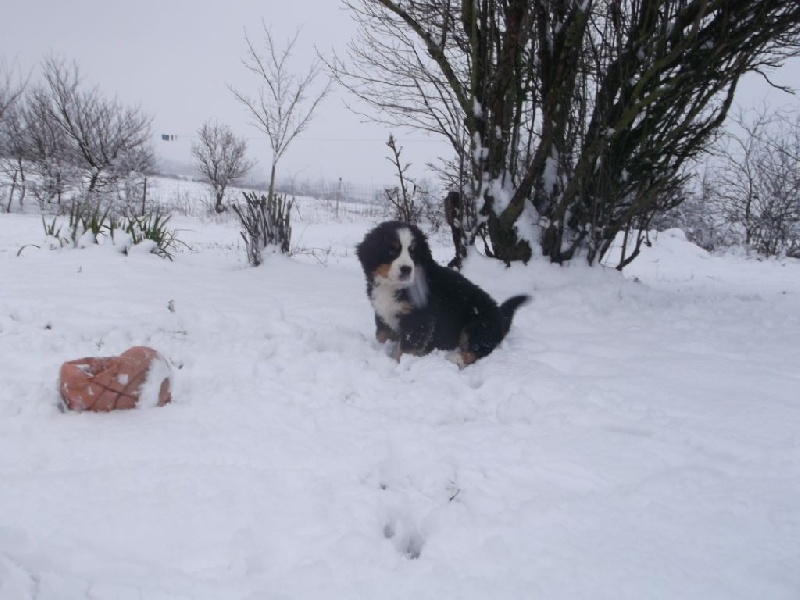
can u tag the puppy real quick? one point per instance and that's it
(423, 306)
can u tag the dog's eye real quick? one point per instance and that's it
(395, 247)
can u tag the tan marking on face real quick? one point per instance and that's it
(383, 271)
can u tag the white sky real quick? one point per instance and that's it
(174, 58)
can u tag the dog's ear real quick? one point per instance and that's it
(423, 249)
(362, 252)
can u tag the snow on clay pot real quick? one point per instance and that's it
(138, 376)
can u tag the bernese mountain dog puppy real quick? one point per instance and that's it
(423, 306)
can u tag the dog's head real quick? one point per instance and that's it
(393, 252)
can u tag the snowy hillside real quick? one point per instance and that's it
(636, 437)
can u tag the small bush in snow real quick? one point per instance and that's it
(266, 224)
(150, 227)
(88, 224)
(409, 202)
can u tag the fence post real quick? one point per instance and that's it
(338, 196)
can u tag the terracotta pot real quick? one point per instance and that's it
(138, 375)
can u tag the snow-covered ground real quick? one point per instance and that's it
(636, 436)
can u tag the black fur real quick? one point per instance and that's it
(433, 307)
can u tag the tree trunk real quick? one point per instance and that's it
(218, 197)
(23, 184)
(93, 180)
(747, 220)
(506, 243)
(11, 193)
(272, 181)
(144, 197)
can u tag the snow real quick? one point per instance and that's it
(500, 191)
(550, 177)
(636, 436)
(149, 392)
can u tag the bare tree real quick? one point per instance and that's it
(398, 83)
(582, 114)
(141, 160)
(47, 147)
(133, 168)
(15, 152)
(391, 72)
(100, 132)
(285, 102)
(12, 86)
(739, 152)
(755, 185)
(221, 159)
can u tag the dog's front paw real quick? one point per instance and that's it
(385, 335)
(397, 352)
(462, 358)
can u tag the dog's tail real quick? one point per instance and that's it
(510, 306)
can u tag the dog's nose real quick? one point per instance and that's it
(405, 271)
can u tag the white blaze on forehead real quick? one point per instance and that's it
(406, 238)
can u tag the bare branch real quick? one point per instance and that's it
(285, 103)
(12, 86)
(100, 133)
(221, 159)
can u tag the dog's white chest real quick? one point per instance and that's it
(387, 307)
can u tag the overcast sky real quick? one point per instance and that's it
(175, 57)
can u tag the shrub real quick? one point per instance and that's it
(88, 223)
(266, 224)
(152, 227)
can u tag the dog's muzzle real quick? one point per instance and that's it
(405, 273)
